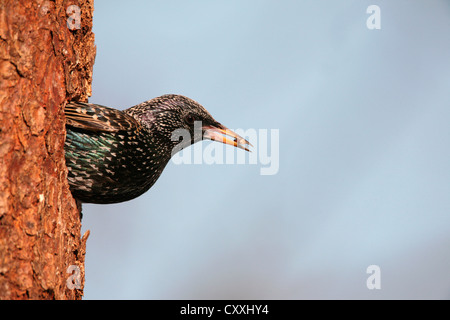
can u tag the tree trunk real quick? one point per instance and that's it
(47, 53)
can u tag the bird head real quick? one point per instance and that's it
(183, 121)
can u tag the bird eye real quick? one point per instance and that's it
(190, 119)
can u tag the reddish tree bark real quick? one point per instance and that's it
(43, 64)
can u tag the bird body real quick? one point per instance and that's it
(114, 156)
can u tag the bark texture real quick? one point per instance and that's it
(43, 64)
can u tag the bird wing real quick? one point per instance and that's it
(94, 117)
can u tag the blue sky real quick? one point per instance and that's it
(364, 170)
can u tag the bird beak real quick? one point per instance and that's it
(221, 133)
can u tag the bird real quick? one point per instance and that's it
(114, 156)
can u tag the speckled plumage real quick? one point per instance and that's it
(114, 156)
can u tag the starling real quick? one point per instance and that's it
(114, 156)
